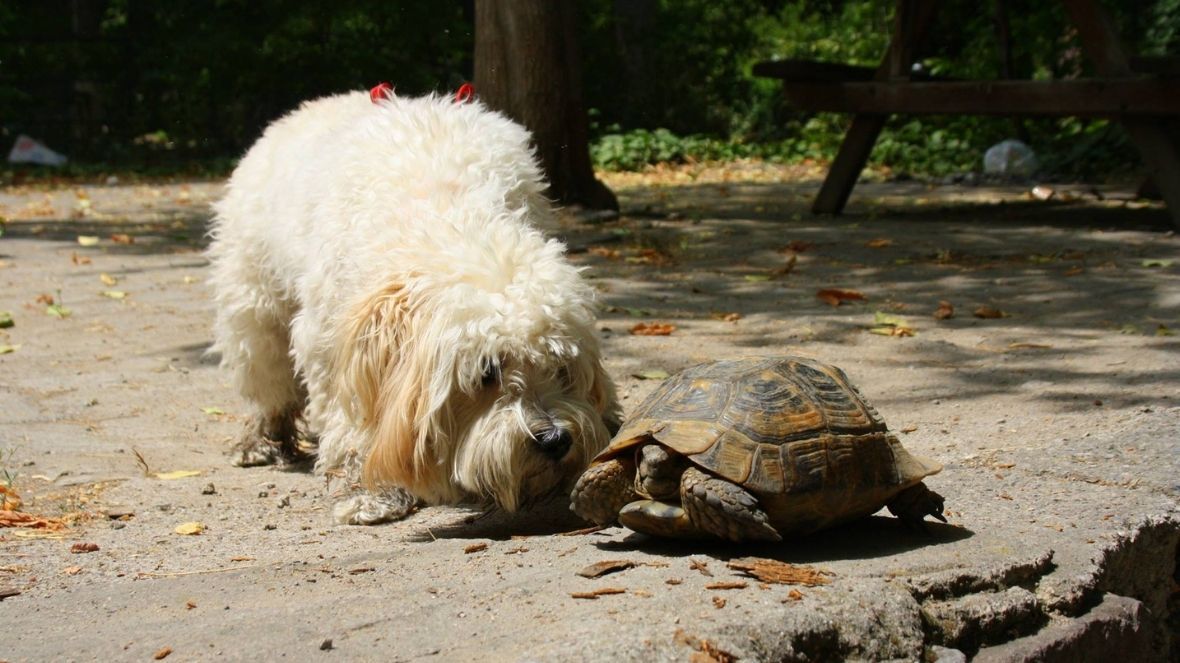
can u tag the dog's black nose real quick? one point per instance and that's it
(554, 442)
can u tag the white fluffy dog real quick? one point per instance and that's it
(379, 272)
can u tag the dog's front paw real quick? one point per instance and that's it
(254, 451)
(370, 509)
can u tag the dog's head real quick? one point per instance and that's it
(481, 381)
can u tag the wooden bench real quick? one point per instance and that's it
(1143, 93)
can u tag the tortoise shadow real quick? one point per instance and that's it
(868, 538)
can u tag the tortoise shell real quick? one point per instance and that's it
(792, 431)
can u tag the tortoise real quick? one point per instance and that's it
(754, 449)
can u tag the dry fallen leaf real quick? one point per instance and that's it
(190, 528)
(794, 595)
(651, 374)
(988, 312)
(703, 567)
(79, 260)
(653, 329)
(177, 474)
(772, 570)
(887, 324)
(725, 317)
(945, 310)
(72, 570)
(474, 548)
(718, 602)
(162, 653)
(603, 252)
(107, 279)
(79, 548)
(122, 238)
(29, 521)
(9, 500)
(786, 269)
(879, 243)
(797, 246)
(837, 296)
(599, 569)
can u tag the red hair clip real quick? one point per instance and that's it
(381, 91)
(465, 93)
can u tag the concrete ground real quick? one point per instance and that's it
(1058, 424)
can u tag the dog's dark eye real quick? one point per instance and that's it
(491, 375)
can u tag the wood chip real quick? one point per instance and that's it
(706, 651)
(727, 584)
(78, 548)
(599, 569)
(703, 567)
(8, 592)
(72, 570)
(474, 548)
(584, 530)
(601, 591)
(945, 310)
(162, 653)
(879, 243)
(794, 595)
(774, 571)
(21, 519)
(673, 581)
(360, 570)
(241, 558)
(718, 602)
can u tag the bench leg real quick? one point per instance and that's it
(850, 160)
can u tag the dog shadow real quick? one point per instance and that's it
(867, 538)
(550, 519)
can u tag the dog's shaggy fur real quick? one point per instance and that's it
(379, 271)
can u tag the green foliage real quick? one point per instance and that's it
(161, 85)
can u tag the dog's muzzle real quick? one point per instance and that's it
(554, 442)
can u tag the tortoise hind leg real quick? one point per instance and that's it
(913, 504)
(724, 509)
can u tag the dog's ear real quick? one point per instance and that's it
(604, 398)
(380, 383)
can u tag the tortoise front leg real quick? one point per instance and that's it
(724, 509)
(603, 490)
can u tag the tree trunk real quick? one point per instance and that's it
(527, 66)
